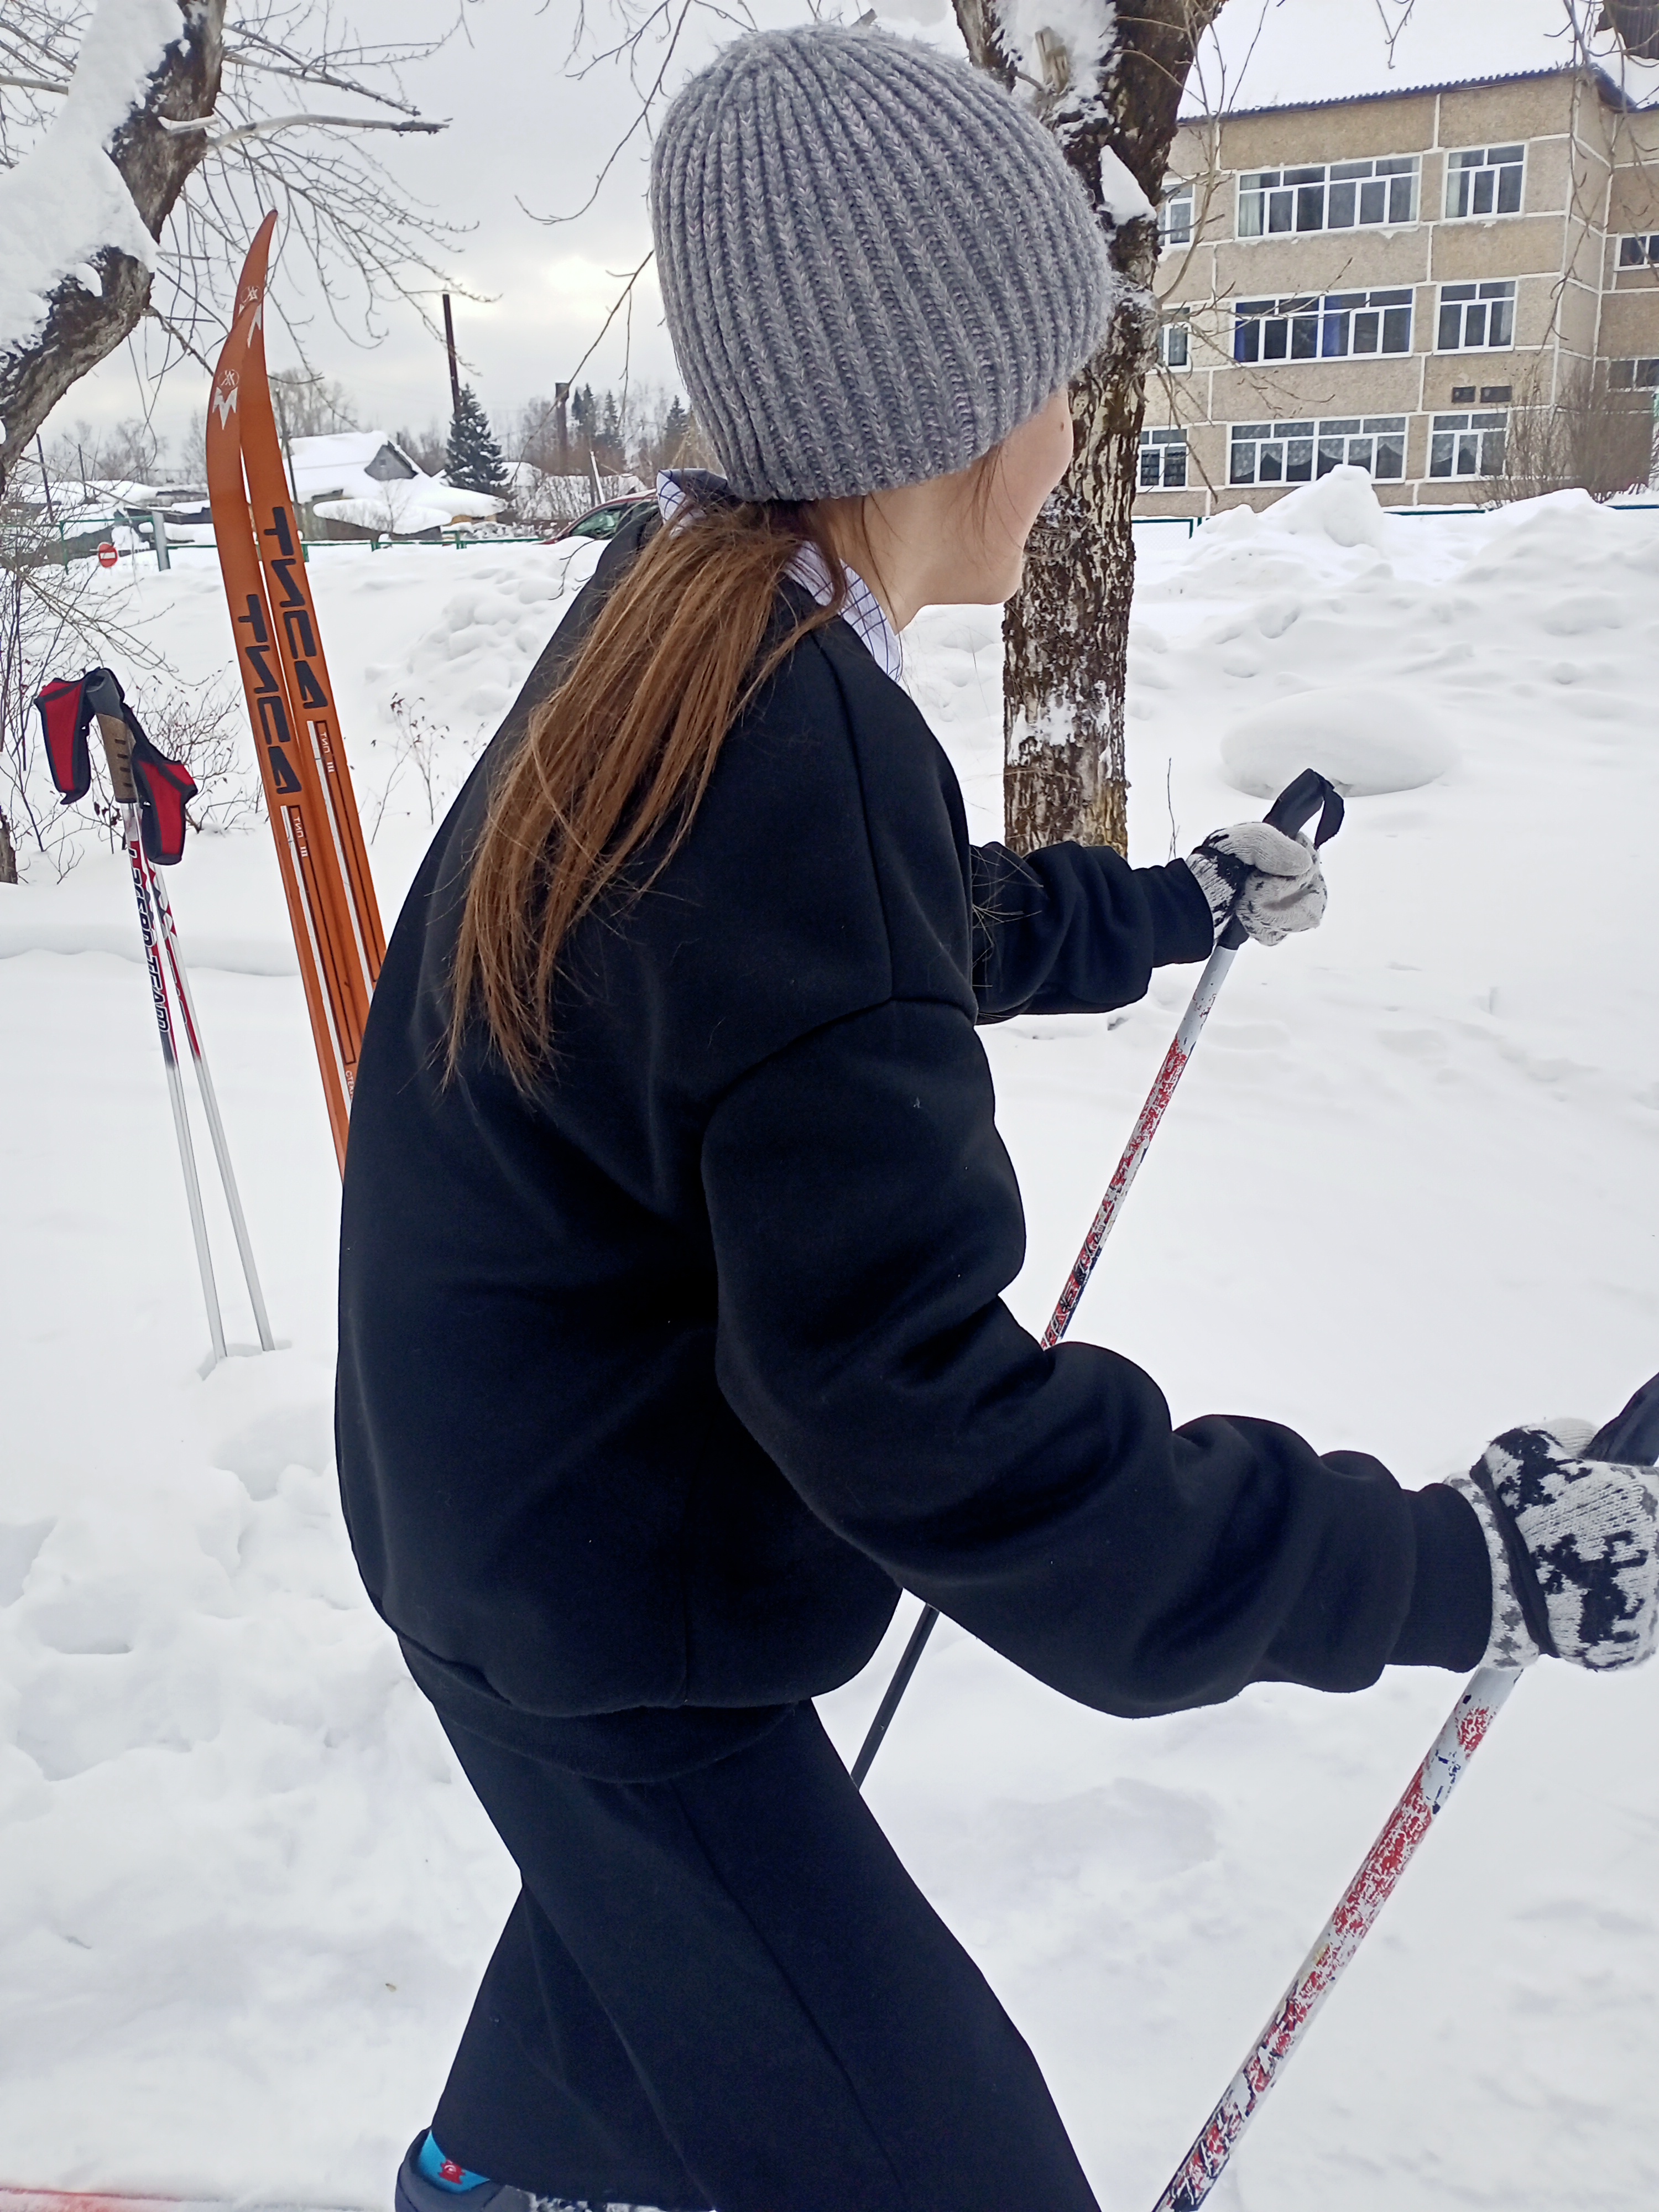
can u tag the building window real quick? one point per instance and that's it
(1485, 180)
(1476, 315)
(1164, 460)
(1466, 444)
(1332, 329)
(1633, 375)
(1639, 253)
(1174, 217)
(1334, 197)
(1376, 442)
(1271, 452)
(1175, 340)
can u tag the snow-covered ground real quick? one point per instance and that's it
(1407, 1197)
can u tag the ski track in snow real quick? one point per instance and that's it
(1406, 1198)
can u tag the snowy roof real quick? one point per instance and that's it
(1615, 94)
(365, 477)
(1315, 54)
(343, 463)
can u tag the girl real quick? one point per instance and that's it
(676, 1223)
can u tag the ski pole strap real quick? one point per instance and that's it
(140, 774)
(1304, 796)
(65, 718)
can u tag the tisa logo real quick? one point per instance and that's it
(224, 398)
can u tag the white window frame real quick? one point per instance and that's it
(1476, 307)
(1645, 254)
(1463, 441)
(1290, 448)
(1465, 167)
(1163, 446)
(1376, 443)
(1175, 340)
(1175, 227)
(1637, 373)
(1341, 195)
(1364, 320)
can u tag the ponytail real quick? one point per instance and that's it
(624, 748)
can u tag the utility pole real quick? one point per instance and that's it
(455, 372)
(561, 406)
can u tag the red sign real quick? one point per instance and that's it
(107, 556)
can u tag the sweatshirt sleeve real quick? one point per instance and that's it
(1075, 929)
(865, 1221)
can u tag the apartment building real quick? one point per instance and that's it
(1382, 280)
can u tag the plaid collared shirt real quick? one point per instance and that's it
(863, 613)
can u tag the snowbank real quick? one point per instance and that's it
(244, 1896)
(1366, 741)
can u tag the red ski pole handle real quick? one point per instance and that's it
(1306, 795)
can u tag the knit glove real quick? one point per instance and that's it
(1273, 883)
(1574, 1549)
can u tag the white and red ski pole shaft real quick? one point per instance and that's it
(118, 752)
(1632, 1440)
(169, 932)
(1294, 808)
(104, 696)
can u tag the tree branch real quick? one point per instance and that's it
(268, 126)
(81, 327)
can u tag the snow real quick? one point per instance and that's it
(65, 200)
(1405, 1198)
(1367, 741)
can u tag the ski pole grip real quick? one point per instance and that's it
(1310, 793)
(118, 752)
(103, 696)
(1297, 804)
(1630, 1438)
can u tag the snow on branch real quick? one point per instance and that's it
(66, 201)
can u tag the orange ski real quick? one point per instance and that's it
(313, 817)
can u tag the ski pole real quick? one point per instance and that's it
(1633, 1439)
(1293, 809)
(118, 751)
(211, 1105)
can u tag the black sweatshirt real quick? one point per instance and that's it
(654, 1388)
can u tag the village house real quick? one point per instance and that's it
(1385, 279)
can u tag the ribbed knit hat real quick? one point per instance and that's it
(874, 262)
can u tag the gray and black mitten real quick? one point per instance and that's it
(1574, 1545)
(1272, 883)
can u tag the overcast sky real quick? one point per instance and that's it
(524, 137)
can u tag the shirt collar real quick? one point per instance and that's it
(680, 492)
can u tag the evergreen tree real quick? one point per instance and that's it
(675, 424)
(472, 460)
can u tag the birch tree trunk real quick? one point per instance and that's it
(1067, 635)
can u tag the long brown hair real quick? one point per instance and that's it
(624, 747)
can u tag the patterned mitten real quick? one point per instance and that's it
(1574, 1546)
(1274, 883)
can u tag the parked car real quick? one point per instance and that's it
(601, 521)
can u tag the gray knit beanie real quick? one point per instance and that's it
(874, 262)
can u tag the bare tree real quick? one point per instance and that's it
(208, 126)
(52, 617)
(1111, 99)
(1582, 440)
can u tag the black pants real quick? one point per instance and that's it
(724, 1989)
